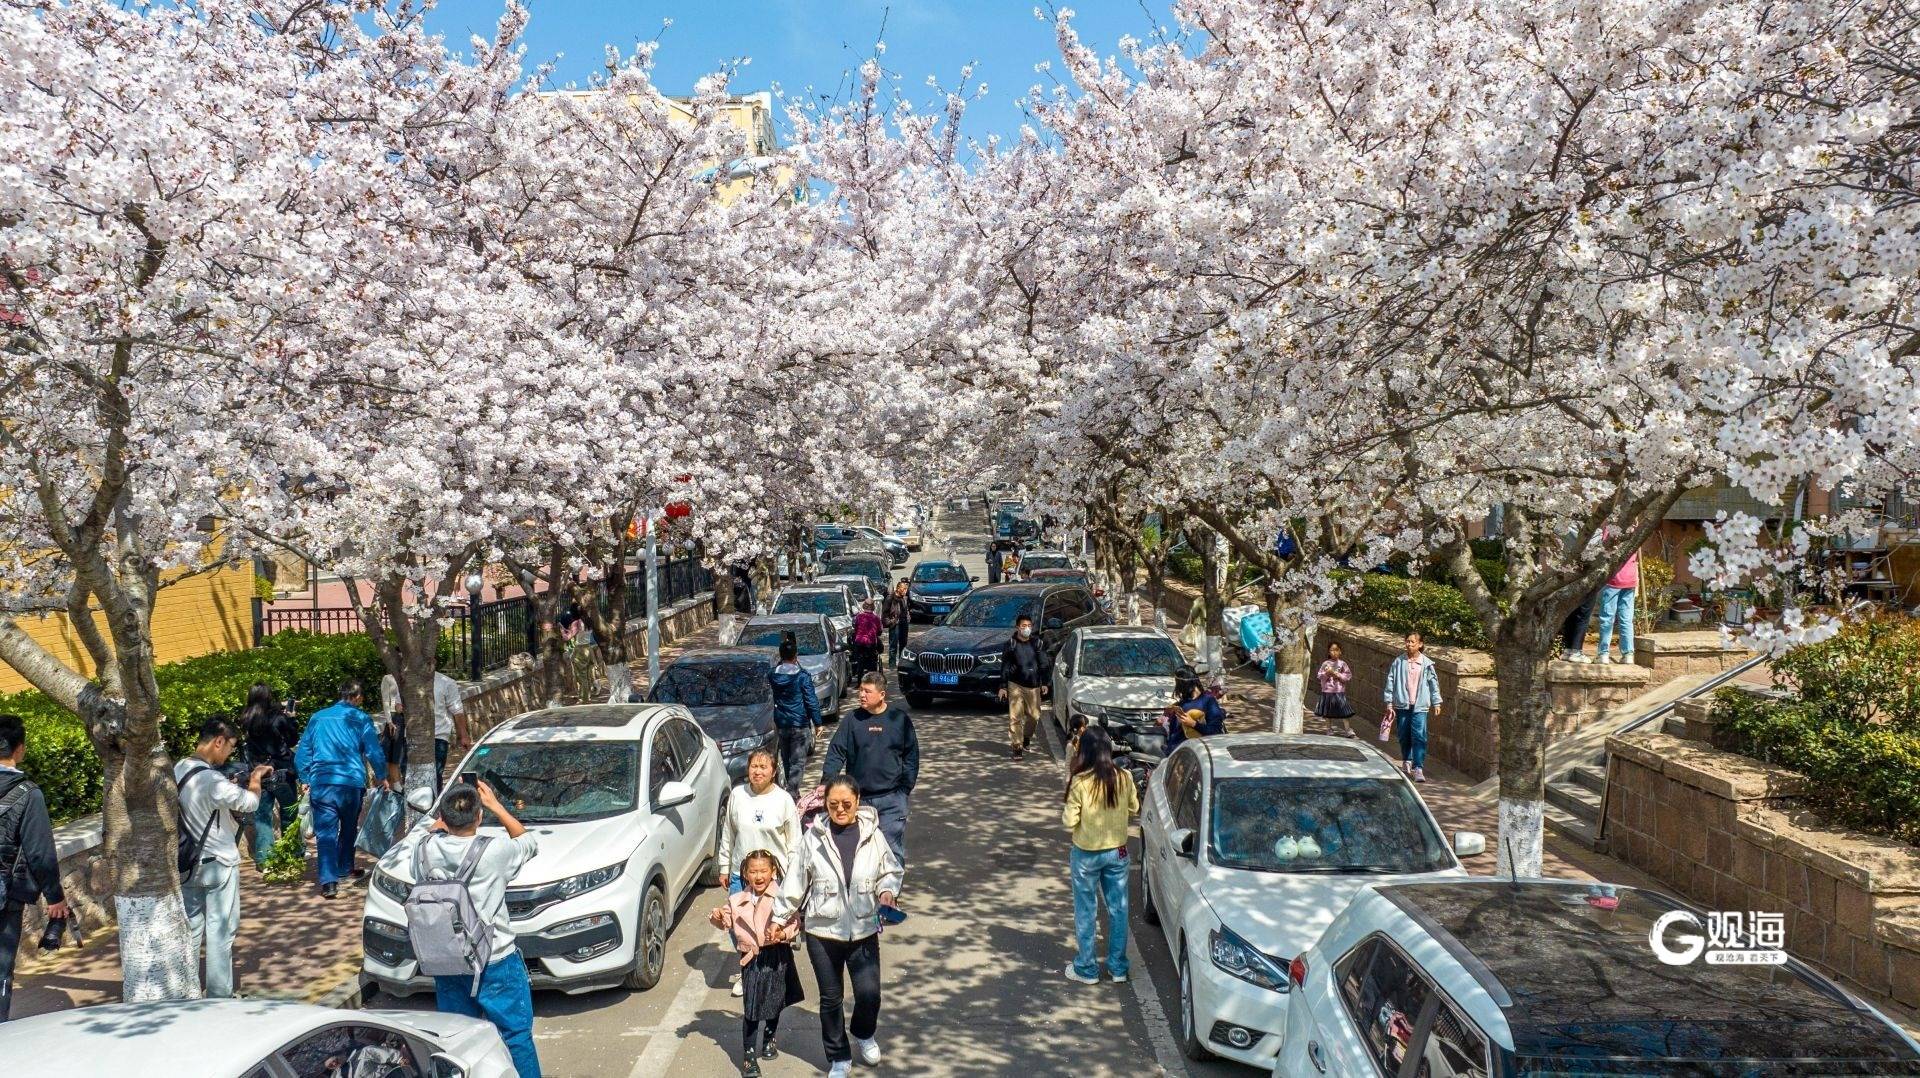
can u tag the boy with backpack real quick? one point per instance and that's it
(211, 807)
(457, 916)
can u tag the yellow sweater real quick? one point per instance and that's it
(1097, 826)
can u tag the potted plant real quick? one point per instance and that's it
(1686, 611)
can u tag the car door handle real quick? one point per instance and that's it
(1315, 1057)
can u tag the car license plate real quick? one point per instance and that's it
(940, 608)
(943, 679)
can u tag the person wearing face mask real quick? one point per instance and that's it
(1029, 670)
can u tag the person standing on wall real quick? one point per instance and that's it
(210, 885)
(338, 747)
(1029, 671)
(29, 862)
(1616, 608)
(1413, 696)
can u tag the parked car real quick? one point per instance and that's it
(1119, 677)
(258, 1038)
(627, 801)
(894, 547)
(935, 587)
(821, 655)
(828, 600)
(860, 588)
(872, 566)
(1496, 977)
(1074, 576)
(829, 539)
(1032, 561)
(1250, 843)
(728, 694)
(961, 655)
(909, 532)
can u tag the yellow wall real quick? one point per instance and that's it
(202, 614)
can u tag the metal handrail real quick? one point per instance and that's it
(1661, 712)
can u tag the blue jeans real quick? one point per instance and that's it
(270, 820)
(439, 763)
(336, 824)
(735, 884)
(212, 898)
(1413, 736)
(892, 808)
(505, 999)
(1096, 876)
(1616, 604)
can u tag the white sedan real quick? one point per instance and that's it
(1251, 844)
(1119, 677)
(250, 1038)
(626, 802)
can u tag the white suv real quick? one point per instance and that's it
(1251, 843)
(626, 800)
(1491, 976)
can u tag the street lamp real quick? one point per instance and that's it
(474, 583)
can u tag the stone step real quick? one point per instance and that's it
(1577, 800)
(1592, 777)
(1573, 827)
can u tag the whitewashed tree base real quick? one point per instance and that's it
(1522, 835)
(619, 683)
(1288, 717)
(157, 957)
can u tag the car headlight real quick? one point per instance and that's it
(391, 885)
(1091, 712)
(1236, 956)
(907, 656)
(573, 886)
(989, 659)
(742, 744)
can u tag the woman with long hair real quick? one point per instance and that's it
(270, 737)
(1101, 798)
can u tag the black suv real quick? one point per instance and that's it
(960, 655)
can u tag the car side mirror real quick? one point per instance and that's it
(973, 580)
(672, 795)
(1054, 625)
(1183, 843)
(445, 1066)
(1469, 844)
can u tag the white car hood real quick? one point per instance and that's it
(1284, 913)
(564, 849)
(1128, 692)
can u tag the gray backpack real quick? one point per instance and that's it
(448, 934)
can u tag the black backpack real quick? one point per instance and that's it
(15, 797)
(186, 856)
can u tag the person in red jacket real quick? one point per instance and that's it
(866, 640)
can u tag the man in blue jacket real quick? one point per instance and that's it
(336, 750)
(796, 711)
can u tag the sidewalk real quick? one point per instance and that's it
(292, 944)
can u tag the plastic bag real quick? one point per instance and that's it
(305, 813)
(382, 823)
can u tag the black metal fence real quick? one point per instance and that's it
(482, 641)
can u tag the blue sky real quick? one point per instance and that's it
(797, 44)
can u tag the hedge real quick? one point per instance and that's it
(1398, 604)
(298, 665)
(1852, 726)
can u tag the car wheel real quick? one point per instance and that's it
(1148, 911)
(919, 699)
(650, 941)
(1190, 1042)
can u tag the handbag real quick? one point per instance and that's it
(1386, 726)
(305, 814)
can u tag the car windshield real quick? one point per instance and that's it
(1318, 824)
(940, 574)
(860, 586)
(811, 640)
(708, 684)
(993, 611)
(831, 603)
(1045, 561)
(560, 781)
(1129, 656)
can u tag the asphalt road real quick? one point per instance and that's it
(973, 981)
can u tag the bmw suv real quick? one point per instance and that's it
(960, 656)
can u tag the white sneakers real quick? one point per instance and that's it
(739, 987)
(1073, 975)
(1576, 657)
(868, 1050)
(1604, 659)
(841, 1069)
(1626, 658)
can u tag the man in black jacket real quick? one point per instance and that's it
(1029, 671)
(28, 862)
(876, 747)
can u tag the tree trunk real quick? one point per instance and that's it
(1520, 657)
(722, 590)
(140, 817)
(762, 581)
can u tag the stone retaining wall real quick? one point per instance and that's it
(1726, 832)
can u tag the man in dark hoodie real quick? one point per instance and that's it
(28, 862)
(1029, 671)
(796, 712)
(876, 747)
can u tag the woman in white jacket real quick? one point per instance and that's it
(760, 816)
(842, 875)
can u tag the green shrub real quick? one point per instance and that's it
(1851, 726)
(287, 857)
(304, 666)
(1438, 612)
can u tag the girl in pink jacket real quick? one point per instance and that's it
(769, 980)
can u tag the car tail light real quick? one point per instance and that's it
(1297, 971)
